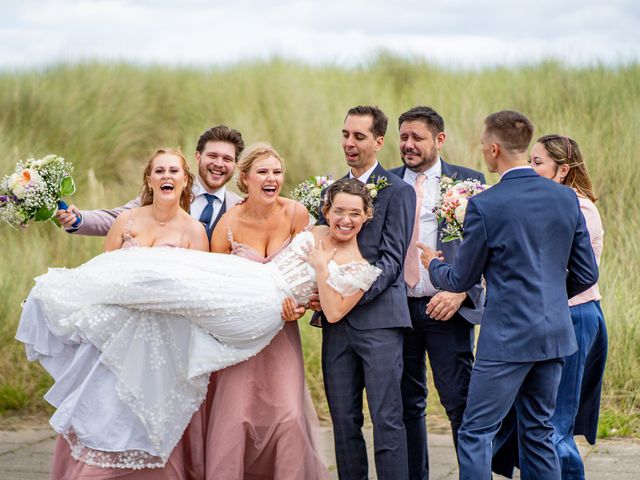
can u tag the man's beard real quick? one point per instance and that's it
(204, 179)
(425, 163)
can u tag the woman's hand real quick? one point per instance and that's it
(290, 310)
(319, 258)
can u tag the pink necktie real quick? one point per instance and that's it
(412, 261)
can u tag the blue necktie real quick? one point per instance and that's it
(207, 213)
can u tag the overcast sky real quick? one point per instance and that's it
(457, 33)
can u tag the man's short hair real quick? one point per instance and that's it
(221, 133)
(427, 115)
(513, 130)
(380, 120)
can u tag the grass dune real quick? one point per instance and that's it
(107, 118)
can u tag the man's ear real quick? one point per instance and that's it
(379, 143)
(495, 150)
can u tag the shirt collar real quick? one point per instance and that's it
(514, 168)
(434, 172)
(364, 178)
(198, 189)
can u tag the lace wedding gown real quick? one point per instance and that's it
(131, 336)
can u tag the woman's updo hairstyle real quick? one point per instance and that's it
(249, 156)
(350, 186)
(565, 151)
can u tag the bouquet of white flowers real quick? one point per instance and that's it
(308, 192)
(451, 204)
(35, 189)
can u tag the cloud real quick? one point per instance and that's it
(198, 32)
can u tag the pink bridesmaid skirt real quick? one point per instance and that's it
(257, 423)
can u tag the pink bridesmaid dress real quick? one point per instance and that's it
(262, 422)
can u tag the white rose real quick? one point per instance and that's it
(373, 193)
(18, 190)
(370, 186)
(13, 180)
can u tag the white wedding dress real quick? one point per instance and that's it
(131, 336)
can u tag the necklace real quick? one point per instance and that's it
(163, 222)
(261, 220)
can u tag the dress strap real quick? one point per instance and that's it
(127, 239)
(127, 228)
(229, 233)
(293, 217)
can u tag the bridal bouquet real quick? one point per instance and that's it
(451, 204)
(35, 189)
(308, 192)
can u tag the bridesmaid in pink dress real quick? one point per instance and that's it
(162, 221)
(262, 422)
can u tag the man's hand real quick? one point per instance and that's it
(444, 304)
(314, 303)
(68, 217)
(428, 254)
(291, 311)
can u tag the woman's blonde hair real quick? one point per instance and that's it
(146, 194)
(565, 151)
(254, 152)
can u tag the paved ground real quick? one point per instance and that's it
(25, 454)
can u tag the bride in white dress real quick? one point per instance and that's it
(131, 336)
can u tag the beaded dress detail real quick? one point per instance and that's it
(131, 336)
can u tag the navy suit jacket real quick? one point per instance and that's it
(473, 307)
(528, 237)
(383, 242)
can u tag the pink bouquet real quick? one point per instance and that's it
(451, 205)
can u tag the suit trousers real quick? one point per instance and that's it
(494, 387)
(353, 360)
(449, 346)
(588, 322)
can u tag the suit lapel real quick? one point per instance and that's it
(447, 171)
(223, 209)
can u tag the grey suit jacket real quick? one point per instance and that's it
(98, 222)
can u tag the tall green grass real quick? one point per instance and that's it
(106, 119)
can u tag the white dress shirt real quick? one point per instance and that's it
(428, 224)
(364, 178)
(200, 201)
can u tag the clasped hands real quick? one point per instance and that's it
(442, 305)
(318, 258)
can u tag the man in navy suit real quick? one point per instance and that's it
(526, 235)
(443, 322)
(364, 349)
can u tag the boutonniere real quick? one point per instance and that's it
(377, 184)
